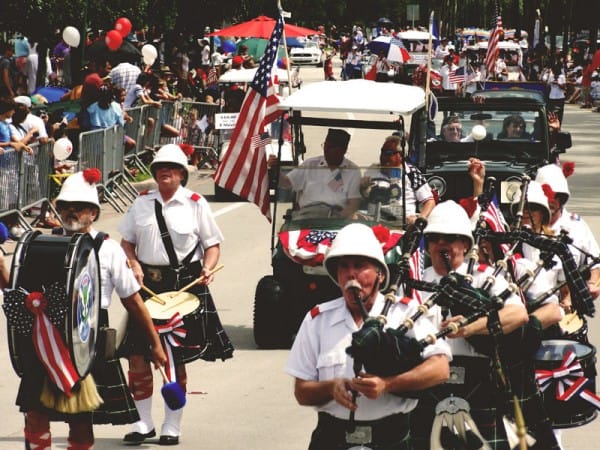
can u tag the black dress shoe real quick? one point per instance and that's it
(135, 438)
(168, 440)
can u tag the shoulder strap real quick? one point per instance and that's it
(164, 234)
(99, 240)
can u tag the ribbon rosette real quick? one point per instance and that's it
(569, 380)
(171, 334)
(49, 345)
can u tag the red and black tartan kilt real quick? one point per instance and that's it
(479, 390)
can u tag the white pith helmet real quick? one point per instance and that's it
(171, 153)
(552, 175)
(356, 239)
(535, 196)
(449, 218)
(81, 187)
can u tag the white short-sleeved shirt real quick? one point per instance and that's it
(33, 121)
(581, 234)
(188, 218)
(317, 183)
(319, 353)
(460, 346)
(115, 274)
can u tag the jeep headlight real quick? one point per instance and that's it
(439, 184)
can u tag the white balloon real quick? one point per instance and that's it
(478, 132)
(71, 36)
(62, 149)
(149, 50)
(149, 59)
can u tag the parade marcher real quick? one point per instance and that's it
(521, 371)
(416, 188)
(171, 239)
(448, 239)
(323, 370)
(79, 207)
(329, 182)
(584, 244)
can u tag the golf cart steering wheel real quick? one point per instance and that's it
(380, 190)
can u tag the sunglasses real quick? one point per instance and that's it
(436, 237)
(390, 152)
(169, 166)
(75, 206)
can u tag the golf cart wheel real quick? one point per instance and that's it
(269, 320)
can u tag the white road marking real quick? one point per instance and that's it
(229, 208)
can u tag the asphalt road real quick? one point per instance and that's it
(247, 402)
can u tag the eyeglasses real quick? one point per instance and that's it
(75, 206)
(390, 152)
(455, 129)
(436, 237)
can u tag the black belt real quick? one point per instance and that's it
(383, 432)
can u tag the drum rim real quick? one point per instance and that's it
(154, 306)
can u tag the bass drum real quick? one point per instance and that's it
(41, 260)
(576, 411)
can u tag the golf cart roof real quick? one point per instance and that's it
(414, 35)
(356, 96)
(247, 75)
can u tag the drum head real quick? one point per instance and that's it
(183, 303)
(41, 260)
(556, 349)
(571, 323)
(83, 281)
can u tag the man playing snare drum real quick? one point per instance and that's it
(79, 207)
(171, 239)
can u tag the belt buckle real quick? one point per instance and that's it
(360, 435)
(457, 375)
(155, 274)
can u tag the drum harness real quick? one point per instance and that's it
(176, 266)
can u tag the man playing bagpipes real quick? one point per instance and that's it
(474, 378)
(42, 401)
(355, 405)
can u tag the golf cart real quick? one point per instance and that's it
(370, 111)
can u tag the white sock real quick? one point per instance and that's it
(558, 436)
(172, 424)
(145, 424)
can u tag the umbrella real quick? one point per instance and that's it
(257, 46)
(127, 52)
(262, 27)
(393, 47)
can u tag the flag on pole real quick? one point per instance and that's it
(243, 170)
(492, 51)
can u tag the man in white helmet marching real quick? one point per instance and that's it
(79, 208)
(171, 239)
(323, 369)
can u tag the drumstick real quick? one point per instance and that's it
(155, 297)
(198, 280)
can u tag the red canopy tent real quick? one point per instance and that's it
(262, 27)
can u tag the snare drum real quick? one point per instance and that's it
(574, 327)
(191, 309)
(576, 411)
(41, 260)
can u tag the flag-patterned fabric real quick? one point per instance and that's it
(212, 78)
(492, 51)
(243, 170)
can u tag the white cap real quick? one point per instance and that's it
(23, 100)
(81, 187)
(355, 239)
(552, 175)
(535, 196)
(449, 218)
(172, 153)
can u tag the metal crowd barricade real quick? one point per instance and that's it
(135, 130)
(198, 130)
(10, 169)
(104, 149)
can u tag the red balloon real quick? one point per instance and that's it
(113, 40)
(123, 26)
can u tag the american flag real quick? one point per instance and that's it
(243, 170)
(212, 78)
(496, 221)
(417, 265)
(492, 51)
(260, 140)
(458, 76)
